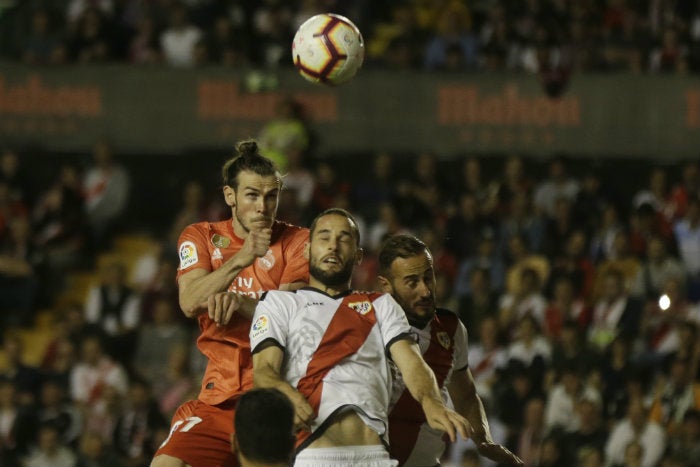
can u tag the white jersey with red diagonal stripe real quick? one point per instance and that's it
(335, 348)
(443, 344)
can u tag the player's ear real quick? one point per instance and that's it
(359, 255)
(307, 247)
(229, 196)
(385, 284)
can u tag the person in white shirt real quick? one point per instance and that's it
(636, 426)
(563, 399)
(180, 39)
(50, 451)
(94, 372)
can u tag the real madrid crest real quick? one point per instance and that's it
(220, 241)
(444, 339)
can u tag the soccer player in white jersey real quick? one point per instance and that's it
(326, 347)
(407, 273)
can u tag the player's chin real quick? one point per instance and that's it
(424, 310)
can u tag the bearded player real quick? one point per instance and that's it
(407, 273)
(327, 348)
(224, 268)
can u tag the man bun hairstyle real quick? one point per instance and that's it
(248, 158)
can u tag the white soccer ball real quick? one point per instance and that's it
(328, 49)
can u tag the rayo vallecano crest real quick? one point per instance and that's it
(444, 339)
(361, 307)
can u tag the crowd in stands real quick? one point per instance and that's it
(537, 36)
(580, 290)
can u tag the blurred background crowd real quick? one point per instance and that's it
(578, 279)
(491, 35)
(579, 287)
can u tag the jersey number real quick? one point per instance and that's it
(191, 421)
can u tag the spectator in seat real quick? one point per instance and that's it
(115, 308)
(137, 425)
(57, 409)
(20, 265)
(106, 190)
(93, 451)
(687, 233)
(565, 397)
(636, 426)
(50, 450)
(656, 269)
(157, 341)
(180, 39)
(26, 378)
(19, 425)
(94, 372)
(680, 394)
(615, 313)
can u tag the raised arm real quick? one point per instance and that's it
(266, 374)
(421, 383)
(468, 404)
(196, 286)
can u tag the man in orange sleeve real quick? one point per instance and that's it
(226, 266)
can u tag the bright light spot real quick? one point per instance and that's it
(664, 302)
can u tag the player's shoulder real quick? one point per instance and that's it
(205, 227)
(447, 318)
(370, 295)
(275, 294)
(287, 231)
(445, 313)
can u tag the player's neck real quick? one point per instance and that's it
(331, 290)
(238, 229)
(420, 323)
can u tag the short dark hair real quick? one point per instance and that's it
(398, 246)
(338, 212)
(264, 426)
(248, 157)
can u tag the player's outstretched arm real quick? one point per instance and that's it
(222, 306)
(196, 286)
(421, 383)
(468, 403)
(266, 374)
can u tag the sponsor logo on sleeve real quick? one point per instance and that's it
(188, 255)
(260, 327)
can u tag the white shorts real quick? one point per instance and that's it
(345, 456)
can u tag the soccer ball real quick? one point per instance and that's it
(328, 49)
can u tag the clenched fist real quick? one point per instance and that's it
(255, 245)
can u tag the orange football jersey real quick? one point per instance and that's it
(208, 245)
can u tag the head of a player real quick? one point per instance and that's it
(264, 428)
(406, 271)
(252, 186)
(333, 250)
